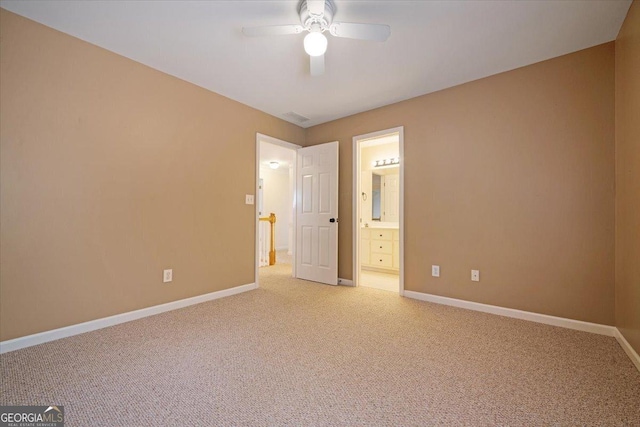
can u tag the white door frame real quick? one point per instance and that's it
(271, 140)
(356, 200)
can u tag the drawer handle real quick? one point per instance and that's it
(380, 247)
(380, 260)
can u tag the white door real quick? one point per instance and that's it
(317, 213)
(392, 198)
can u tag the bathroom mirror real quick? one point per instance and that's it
(385, 196)
(376, 196)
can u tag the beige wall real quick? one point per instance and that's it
(110, 172)
(628, 178)
(512, 175)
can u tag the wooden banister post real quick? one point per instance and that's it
(272, 246)
(272, 251)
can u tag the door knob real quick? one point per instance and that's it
(333, 220)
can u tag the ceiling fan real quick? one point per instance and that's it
(316, 17)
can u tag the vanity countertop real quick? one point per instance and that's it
(382, 225)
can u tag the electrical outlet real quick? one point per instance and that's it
(435, 270)
(248, 199)
(167, 276)
(475, 275)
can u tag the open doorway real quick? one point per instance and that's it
(275, 204)
(378, 206)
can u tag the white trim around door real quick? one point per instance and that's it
(356, 200)
(271, 140)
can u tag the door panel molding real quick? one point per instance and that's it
(317, 236)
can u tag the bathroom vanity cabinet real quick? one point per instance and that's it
(380, 248)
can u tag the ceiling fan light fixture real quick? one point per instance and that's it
(315, 43)
(316, 17)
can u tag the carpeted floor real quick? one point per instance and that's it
(304, 354)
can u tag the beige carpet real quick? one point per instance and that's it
(303, 354)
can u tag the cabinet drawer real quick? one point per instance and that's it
(380, 234)
(381, 260)
(381, 246)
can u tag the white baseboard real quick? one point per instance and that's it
(80, 328)
(635, 358)
(345, 282)
(579, 325)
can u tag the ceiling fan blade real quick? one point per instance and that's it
(374, 32)
(315, 7)
(272, 30)
(317, 65)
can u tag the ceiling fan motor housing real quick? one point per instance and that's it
(310, 20)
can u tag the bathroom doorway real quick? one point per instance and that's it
(378, 210)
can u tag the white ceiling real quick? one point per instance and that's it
(433, 45)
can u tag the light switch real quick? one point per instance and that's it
(248, 199)
(475, 275)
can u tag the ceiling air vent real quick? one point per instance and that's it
(296, 117)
